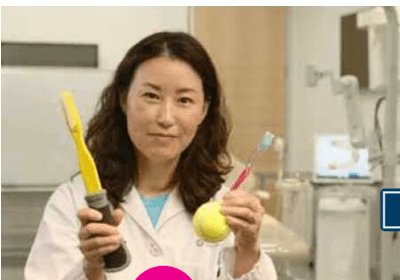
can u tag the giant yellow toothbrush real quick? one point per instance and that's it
(86, 162)
(96, 196)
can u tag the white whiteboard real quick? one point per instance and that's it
(36, 147)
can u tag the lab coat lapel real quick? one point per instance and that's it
(134, 207)
(172, 207)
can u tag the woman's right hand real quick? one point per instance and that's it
(97, 240)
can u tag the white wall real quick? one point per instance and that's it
(313, 37)
(36, 147)
(114, 29)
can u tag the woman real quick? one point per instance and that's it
(159, 141)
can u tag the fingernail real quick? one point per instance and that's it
(99, 216)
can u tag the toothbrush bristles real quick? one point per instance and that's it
(266, 142)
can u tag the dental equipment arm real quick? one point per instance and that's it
(349, 87)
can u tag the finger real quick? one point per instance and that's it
(87, 215)
(239, 225)
(95, 243)
(244, 201)
(243, 213)
(257, 205)
(234, 199)
(97, 229)
(234, 193)
(100, 252)
(118, 215)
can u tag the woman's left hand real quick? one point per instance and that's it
(244, 213)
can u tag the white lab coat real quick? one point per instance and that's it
(55, 253)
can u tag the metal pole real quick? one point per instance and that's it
(389, 138)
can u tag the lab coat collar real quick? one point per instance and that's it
(134, 207)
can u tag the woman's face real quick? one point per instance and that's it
(164, 107)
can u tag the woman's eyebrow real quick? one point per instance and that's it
(156, 87)
(186, 89)
(180, 90)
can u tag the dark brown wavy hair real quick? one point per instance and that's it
(204, 163)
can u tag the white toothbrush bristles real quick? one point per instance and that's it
(266, 141)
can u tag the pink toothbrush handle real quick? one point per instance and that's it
(241, 178)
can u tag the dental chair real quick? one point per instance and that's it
(283, 244)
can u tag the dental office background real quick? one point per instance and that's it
(261, 54)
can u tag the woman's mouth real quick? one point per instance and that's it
(162, 138)
(163, 135)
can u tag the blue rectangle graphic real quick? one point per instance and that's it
(390, 209)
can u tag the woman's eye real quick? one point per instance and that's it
(186, 100)
(151, 95)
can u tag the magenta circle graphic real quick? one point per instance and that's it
(163, 273)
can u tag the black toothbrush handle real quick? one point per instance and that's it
(119, 259)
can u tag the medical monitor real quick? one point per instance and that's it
(336, 161)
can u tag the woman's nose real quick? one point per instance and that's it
(166, 114)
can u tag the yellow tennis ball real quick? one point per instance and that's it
(210, 223)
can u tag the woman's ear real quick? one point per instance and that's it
(122, 102)
(206, 105)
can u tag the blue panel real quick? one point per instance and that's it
(390, 209)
